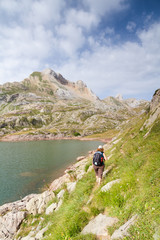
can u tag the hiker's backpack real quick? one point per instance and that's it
(98, 159)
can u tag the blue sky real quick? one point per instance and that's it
(112, 45)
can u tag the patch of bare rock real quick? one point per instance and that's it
(99, 225)
(123, 230)
(13, 214)
(109, 185)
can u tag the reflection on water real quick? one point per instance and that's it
(27, 174)
(25, 167)
(31, 174)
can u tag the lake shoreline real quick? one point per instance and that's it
(37, 203)
(46, 184)
(42, 137)
(62, 172)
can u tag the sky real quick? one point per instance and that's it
(112, 45)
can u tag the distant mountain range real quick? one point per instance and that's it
(46, 104)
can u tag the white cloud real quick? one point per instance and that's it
(25, 41)
(102, 7)
(35, 34)
(131, 26)
(109, 31)
(21, 51)
(32, 12)
(45, 11)
(82, 18)
(8, 6)
(70, 39)
(18, 42)
(129, 68)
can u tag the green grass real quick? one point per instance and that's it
(37, 74)
(137, 164)
(107, 134)
(70, 219)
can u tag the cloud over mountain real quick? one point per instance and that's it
(96, 42)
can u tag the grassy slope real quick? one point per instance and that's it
(137, 164)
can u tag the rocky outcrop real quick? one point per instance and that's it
(10, 223)
(36, 234)
(106, 187)
(99, 225)
(154, 113)
(123, 230)
(13, 214)
(51, 208)
(57, 183)
(132, 102)
(155, 102)
(38, 203)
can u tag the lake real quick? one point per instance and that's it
(26, 167)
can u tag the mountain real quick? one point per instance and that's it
(48, 105)
(154, 113)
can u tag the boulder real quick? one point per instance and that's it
(40, 234)
(80, 158)
(98, 226)
(59, 204)
(10, 223)
(51, 208)
(106, 187)
(123, 230)
(57, 183)
(71, 186)
(108, 170)
(19, 205)
(38, 203)
(37, 234)
(60, 194)
(28, 238)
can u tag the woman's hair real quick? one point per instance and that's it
(100, 150)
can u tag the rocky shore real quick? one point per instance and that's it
(39, 137)
(13, 214)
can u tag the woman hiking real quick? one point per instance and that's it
(98, 163)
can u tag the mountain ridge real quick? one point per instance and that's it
(46, 102)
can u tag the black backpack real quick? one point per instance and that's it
(98, 159)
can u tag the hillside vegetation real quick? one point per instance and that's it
(134, 155)
(47, 105)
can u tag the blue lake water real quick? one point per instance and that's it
(25, 167)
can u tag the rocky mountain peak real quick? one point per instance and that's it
(48, 81)
(80, 84)
(57, 76)
(49, 71)
(119, 97)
